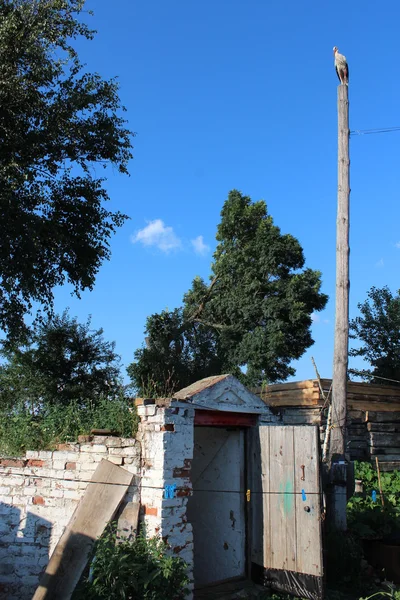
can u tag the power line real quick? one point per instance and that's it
(150, 487)
(373, 131)
(368, 375)
(178, 488)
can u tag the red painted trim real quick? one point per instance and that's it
(218, 418)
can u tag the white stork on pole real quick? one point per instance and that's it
(341, 66)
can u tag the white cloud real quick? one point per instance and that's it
(315, 318)
(380, 263)
(157, 234)
(397, 244)
(199, 246)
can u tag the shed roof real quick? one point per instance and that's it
(198, 386)
(222, 392)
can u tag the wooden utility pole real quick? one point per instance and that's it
(338, 471)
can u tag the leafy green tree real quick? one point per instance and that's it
(62, 362)
(57, 122)
(252, 319)
(377, 329)
(178, 353)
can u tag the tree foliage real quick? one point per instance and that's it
(62, 362)
(57, 122)
(253, 317)
(377, 329)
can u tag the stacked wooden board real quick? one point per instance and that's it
(373, 414)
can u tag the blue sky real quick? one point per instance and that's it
(242, 94)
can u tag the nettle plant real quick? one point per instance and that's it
(139, 568)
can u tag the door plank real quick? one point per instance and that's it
(260, 535)
(308, 503)
(282, 501)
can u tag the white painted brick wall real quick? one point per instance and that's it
(38, 495)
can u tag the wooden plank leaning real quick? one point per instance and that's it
(97, 507)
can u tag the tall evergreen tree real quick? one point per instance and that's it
(252, 318)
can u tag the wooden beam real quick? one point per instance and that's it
(370, 389)
(366, 405)
(96, 508)
(293, 385)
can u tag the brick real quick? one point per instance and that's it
(70, 506)
(17, 501)
(86, 473)
(57, 493)
(39, 483)
(150, 510)
(35, 462)
(67, 447)
(29, 491)
(128, 442)
(184, 492)
(83, 439)
(15, 481)
(62, 456)
(70, 466)
(181, 472)
(38, 500)
(97, 457)
(72, 494)
(85, 459)
(134, 468)
(70, 485)
(32, 454)
(6, 568)
(128, 451)
(168, 427)
(6, 590)
(31, 580)
(45, 454)
(101, 438)
(12, 462)
(94, 448)
(116, 460)
(59, 465)
(113, 442)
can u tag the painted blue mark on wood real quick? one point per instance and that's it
(303, 495)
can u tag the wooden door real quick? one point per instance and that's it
(285, 509)
(216, 509)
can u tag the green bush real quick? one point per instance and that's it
(141, 569)
(22, 428)
(368, 519)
